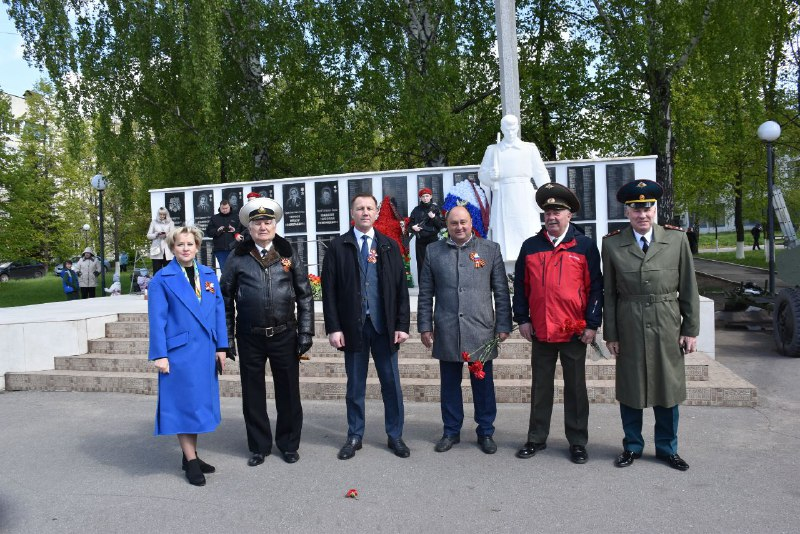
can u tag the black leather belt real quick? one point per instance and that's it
(271, 330)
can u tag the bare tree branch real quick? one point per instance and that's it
(693, 42)
(474, 100)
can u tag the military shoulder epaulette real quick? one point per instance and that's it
(615, 232)
(670, 227)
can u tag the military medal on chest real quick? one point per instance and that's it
(477, 260)
(287, 264)
(373, 256)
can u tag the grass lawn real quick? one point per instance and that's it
(752, 258)
(728, 239)
(46, 289)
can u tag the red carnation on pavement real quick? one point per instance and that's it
(352, 493)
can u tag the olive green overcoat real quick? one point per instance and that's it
(650, 301)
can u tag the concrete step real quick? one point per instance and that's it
(723, 388)
(333, 366)
(139, 328)
(511, 348)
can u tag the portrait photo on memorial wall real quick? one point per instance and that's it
(264, 191)
(176, 206)
(461, 176)
(327, 210)
(434, 183)
(294, 208)
(396, 188)
(358, 185)
(203, 202)
(234, 196)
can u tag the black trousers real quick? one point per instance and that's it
(158, 264)
(421, 243)
(87, 292)
(576, 399)
(281, 351)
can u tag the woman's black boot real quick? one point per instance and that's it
(194, 474)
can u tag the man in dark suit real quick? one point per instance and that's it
(366, 307)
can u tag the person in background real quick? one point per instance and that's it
(115, 289)
(426, 221)
(160, 227)
(188, 344)
(69, 279)
(143, 280)
(691, 235)
(756, 232)
(226, 230)
(123, 262)
(88, 269)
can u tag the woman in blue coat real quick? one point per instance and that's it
(188, 340)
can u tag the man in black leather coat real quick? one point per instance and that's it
(261, 283)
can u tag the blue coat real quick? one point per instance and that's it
(189, 333)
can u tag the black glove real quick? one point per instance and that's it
(232, 353)
(304, 342)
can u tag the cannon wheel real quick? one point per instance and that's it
(786, 322)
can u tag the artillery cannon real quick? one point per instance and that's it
(786, 309)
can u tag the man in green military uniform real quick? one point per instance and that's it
(651, 317)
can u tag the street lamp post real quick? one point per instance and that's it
(99, 183)
(85, 229)
(769, 132)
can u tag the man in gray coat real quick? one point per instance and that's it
(464, 272)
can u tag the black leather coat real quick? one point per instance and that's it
(262, 293)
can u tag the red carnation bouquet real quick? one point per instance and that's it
(478, 357)
(577, 327)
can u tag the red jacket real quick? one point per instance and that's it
(557, 287)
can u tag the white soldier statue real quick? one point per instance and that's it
(508, 167)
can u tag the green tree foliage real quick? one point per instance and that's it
(163, 94)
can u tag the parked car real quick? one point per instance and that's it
(21, 269)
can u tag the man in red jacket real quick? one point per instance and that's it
(558, 303)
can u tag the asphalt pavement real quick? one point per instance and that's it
(87, 462)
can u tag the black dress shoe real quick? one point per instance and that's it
(256, 459)
(291, 457)
(529, 449)
(674, 461)
(349, 449)
(399, 447)
(487, 444)
(194, 474)
(446, 443)
(204, 467)
(626, 458)
(578, 455)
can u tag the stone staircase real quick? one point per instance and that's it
(118, 363)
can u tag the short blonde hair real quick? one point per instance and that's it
(193, 230)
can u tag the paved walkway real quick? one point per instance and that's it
(87, 462)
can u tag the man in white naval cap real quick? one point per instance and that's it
(261, 283)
